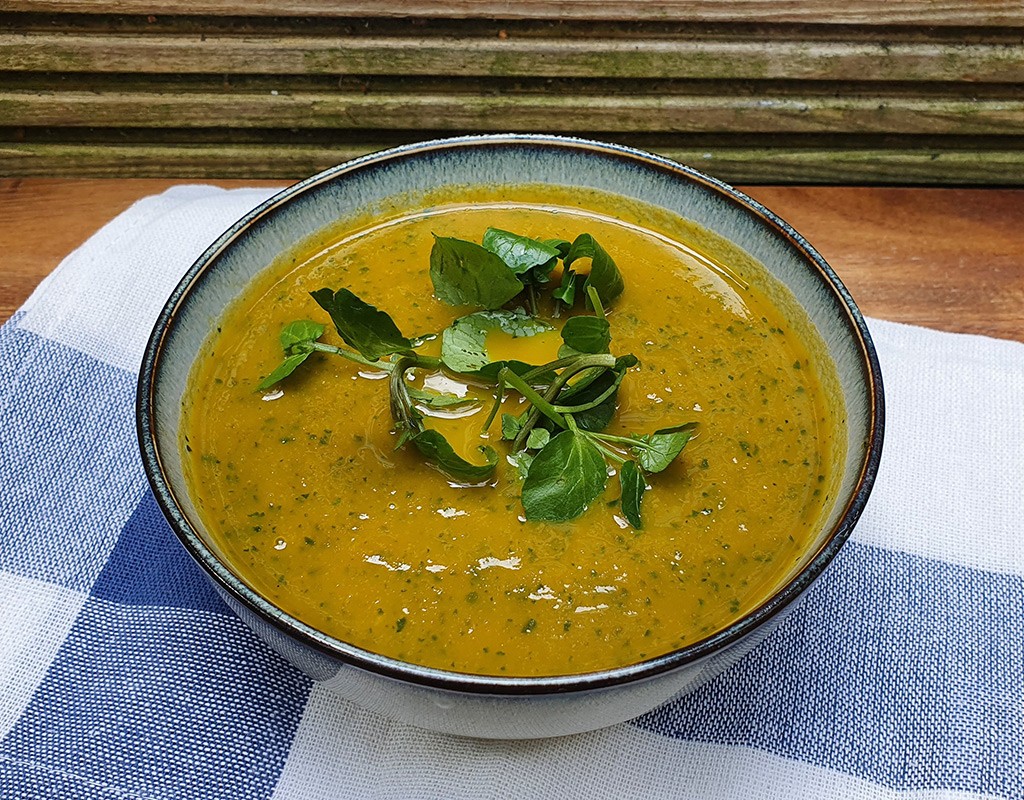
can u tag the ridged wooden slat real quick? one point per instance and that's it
(515, 112)
(735, 164)
(872, 12)
(920, 91)
(633, 57)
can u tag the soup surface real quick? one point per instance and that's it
(305, 497)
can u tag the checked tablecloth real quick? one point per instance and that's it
(123, 675)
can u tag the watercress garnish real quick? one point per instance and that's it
(565, 477)
(659, 449)
(531, 260)
(297, 340)
(437, 450)
(464, 342)
(366, 328)
(633, 484)
(604, 274)
(558, 445)
(466, 274)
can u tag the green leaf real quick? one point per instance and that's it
(656, 451)
(491, 370)
(561, 245)
(522, 461)
(564, 478)
(587, 390)
(297, 342)
(436, 448)
(520, 253)
(464, 342)
(587, 334)
(604, 275)
(566, 292)
(284, 369)
(364, 327)
(439, 399)
(511, 425)
(538, 439)
(464, 273)
(301, 333)
(633, 484)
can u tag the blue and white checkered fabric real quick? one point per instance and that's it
(122, 675)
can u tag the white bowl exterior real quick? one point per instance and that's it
(497, 716)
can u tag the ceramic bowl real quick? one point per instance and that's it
(483, 706)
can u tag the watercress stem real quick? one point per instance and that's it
(415, 359)
(611, 437)
(497, 404)
(351, 355)
(551, 366)
(531, 296)
(605, 449)
(401, 405)
(595, 300)
(531, 394)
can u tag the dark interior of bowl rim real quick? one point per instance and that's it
(532, 149)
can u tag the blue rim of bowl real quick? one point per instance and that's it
(489, 684)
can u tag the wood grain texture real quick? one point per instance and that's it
(111, 106)
(591, 56)
(824, 163)
(46, 219)
(871, 12)
(943, 258)
(921, 91)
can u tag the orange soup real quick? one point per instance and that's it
(306, 497)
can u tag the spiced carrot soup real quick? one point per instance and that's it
(540, 433)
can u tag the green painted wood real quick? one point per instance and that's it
(515, 112)
(734, 164)
(871, 12)
(868, 91)
(585, 56)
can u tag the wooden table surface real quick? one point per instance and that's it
(951, 259)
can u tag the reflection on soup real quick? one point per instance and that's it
(305, 497)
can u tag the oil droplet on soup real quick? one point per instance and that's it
(305, 497)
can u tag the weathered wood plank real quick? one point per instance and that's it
(101, 160)
(868, 12)
(638, 57)
(734, 164)
(515, 112)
